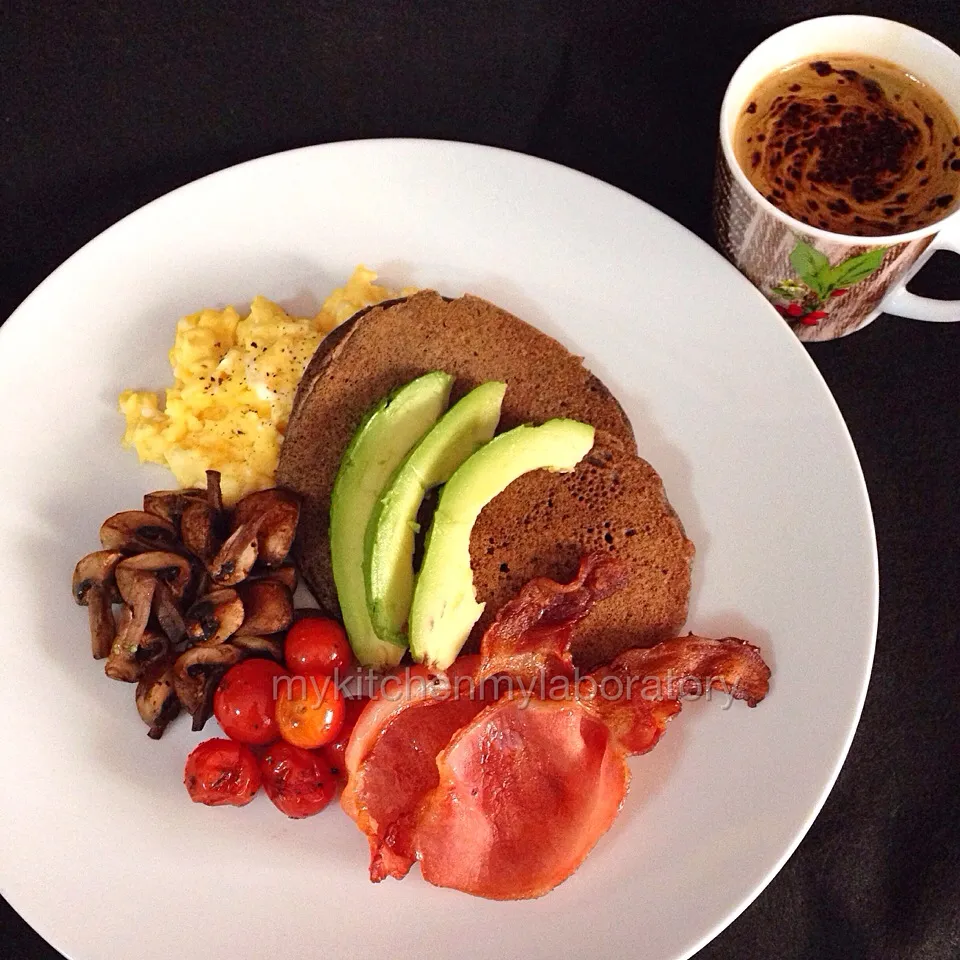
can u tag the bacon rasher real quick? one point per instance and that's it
(502, 793)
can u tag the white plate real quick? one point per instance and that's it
(100, 849)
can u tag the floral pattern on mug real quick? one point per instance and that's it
(817, 282)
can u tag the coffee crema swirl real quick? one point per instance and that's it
(852, 145)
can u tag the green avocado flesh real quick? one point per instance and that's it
(384, 439)
(459, 433)
(444, 606)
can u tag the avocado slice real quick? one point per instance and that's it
(444, 606)
(383, 440)
(459, 433)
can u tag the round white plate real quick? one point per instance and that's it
(101, 850)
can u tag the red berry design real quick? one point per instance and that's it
(782, 310)
(839, 292)
(811, 318)
(794, 310)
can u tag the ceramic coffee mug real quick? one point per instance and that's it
(827, 284)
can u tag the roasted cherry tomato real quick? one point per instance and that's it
(245, 703)
(220, 772)
(299, 782)
(309, 711)
(317, 645)
(335, 750)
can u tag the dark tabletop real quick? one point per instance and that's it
(105, 106)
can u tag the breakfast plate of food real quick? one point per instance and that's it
(370, 513)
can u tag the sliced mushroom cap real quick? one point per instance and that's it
(236, 557)
(199, 530)
(267, 606)
(154, 646)
(287, 575)
(103, 626)
(124, 662)
(170, 504)
(170, 569)
(215, 617)
(172, 575)
(93, 571)
(214, 493)
(204, 585)
(130, 661)
(271, 647)
(168, 616)
(157, 700)
(279, 511)
(196, 675)
(95, 587)
(135, 531)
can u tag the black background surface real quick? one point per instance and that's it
(105, 106)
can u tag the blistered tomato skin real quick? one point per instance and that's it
(309, 711)
(246, 699)
(317, 646)
(222, 773)
(335, 751)
(299, 782)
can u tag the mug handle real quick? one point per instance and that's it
(902, 303)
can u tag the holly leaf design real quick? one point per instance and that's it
(812, 267)
(854, 269)
(807, 260)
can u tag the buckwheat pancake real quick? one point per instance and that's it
(543, 521)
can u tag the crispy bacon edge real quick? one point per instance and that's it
(531, 634)
(730, 665)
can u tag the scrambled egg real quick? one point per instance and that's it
(234, 380)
